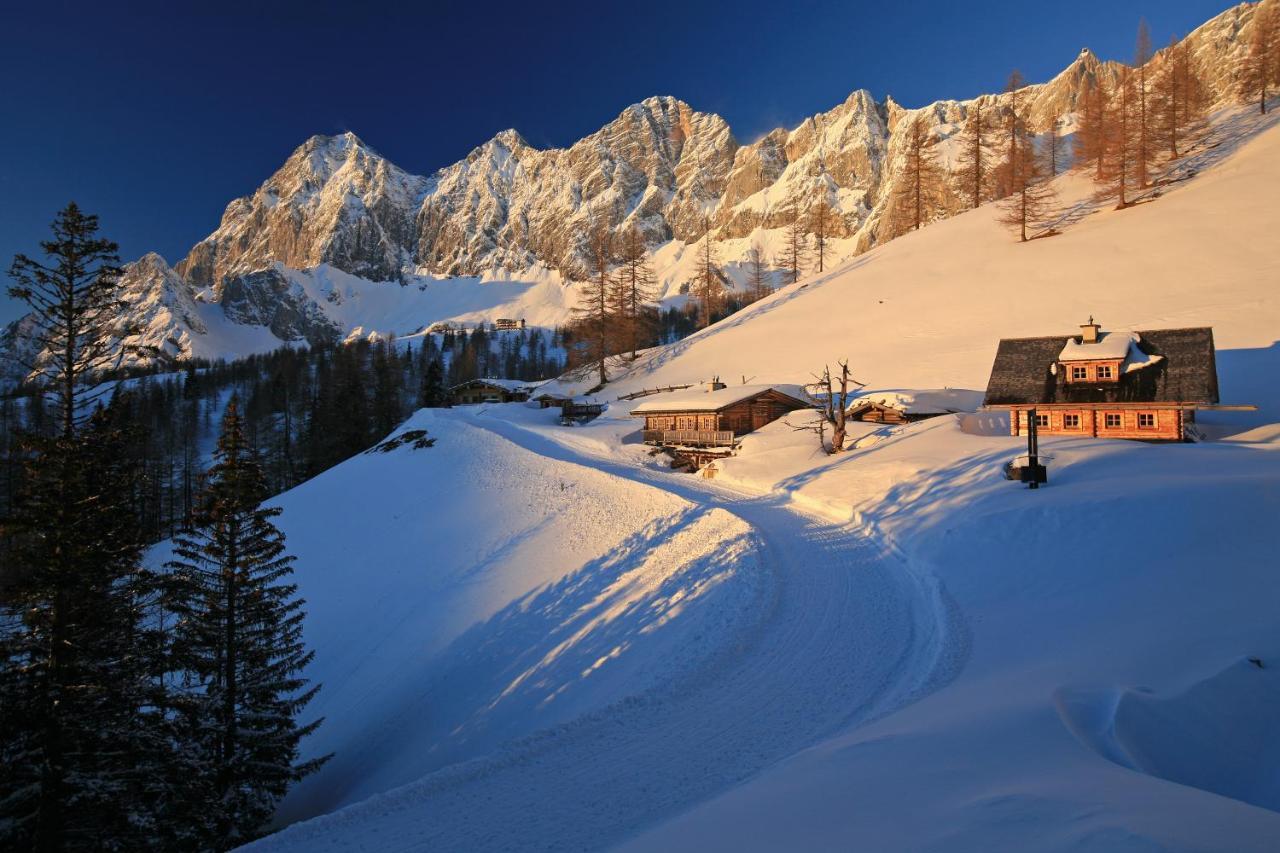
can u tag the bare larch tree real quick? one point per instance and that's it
(920, 191)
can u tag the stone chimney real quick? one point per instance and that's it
(715, 385)
(1089, 331)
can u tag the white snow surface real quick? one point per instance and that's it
(933, 401)
(1109, 345)
(923, 655)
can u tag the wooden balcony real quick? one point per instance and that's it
(689, 437)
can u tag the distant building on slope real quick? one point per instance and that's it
(490, 391)
(1142, 385)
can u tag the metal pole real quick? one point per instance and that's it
(1033, 447)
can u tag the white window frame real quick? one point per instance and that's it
(1119, 424)
(1047, 421)
(1066, 423)
(1109, 374)
(1155, 420)
(1079, 374)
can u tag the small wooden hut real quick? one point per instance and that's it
(698, 426)
(907, 406)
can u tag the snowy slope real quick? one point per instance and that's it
(1067, 669)
(927, 310)
(471, 593)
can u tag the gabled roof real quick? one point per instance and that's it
(505, 384)
(714, 401)
(1168, 366)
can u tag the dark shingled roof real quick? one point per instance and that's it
(1187, 374)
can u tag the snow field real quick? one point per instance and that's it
(466, 595)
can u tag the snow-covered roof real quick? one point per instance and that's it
(1110, 345)
(508, 384)
(711, 401)
(933, 401)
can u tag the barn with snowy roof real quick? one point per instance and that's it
(1142, 385)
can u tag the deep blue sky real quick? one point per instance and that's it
(155, 116)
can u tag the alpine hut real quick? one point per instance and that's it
(1140, 385)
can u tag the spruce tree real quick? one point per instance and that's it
(82, 747)
(238, 641)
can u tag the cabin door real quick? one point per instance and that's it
(759, 415)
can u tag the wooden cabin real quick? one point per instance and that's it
(907, 406)
(505, 324)
(1143, 385)
(476, 391)
(713, 419)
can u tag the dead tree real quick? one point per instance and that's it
(830, 396)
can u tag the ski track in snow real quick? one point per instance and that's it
(854, 633)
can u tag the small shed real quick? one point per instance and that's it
(906, 405)
(475, 391)
(716, 417)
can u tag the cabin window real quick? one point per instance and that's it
(1146, 420)
(1106, 371)
(1042, 421)
(1071, 422)
(1078, 373)
(1111, 420)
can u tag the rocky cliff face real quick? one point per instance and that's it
(508, 207)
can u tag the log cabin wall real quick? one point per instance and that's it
(1146, 423)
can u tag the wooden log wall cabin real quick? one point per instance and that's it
(1143, 385)
(476, 391)
(714, 418)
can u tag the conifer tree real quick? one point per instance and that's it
(595, 313)
(757, 273)
(919, 195)
(1179, 96)
(821, 220)
(1119, 168)
(1031, 197)
(82, 764)
(238, 642)
(973, 160)
(1012, 115)
(432, 393)
(1261, 66)
(83, 752)
(634, 288)
(1091, 136)
(1052, 150)
(74, 297)
(707, 278)
(1143, 149)
(795, 247)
